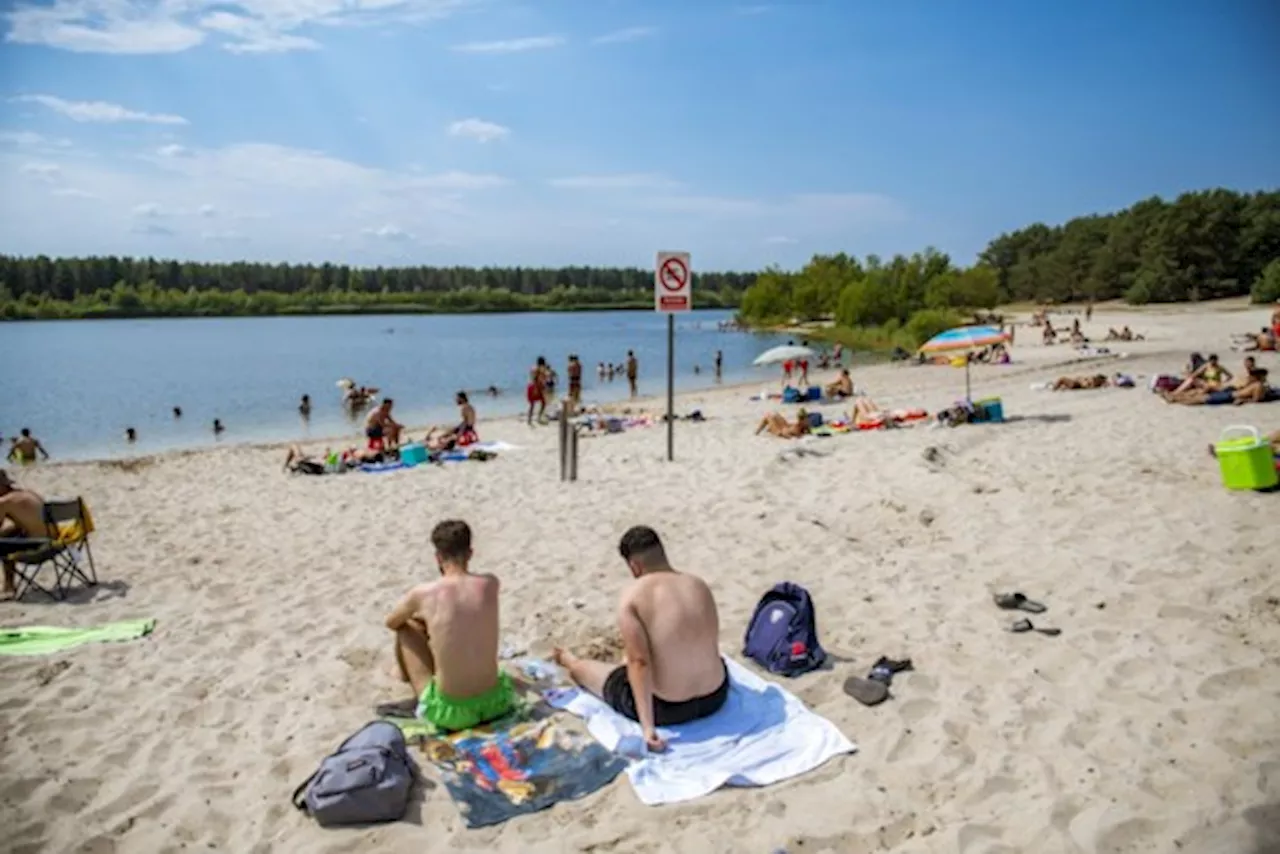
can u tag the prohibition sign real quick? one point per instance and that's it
(673, 275)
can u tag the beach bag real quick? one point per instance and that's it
(367, 779)
(782, 635)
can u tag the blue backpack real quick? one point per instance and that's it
(782, 636)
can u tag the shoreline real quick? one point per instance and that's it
(646, 402)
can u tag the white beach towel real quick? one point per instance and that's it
(762, 734)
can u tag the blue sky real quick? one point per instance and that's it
(598, 131)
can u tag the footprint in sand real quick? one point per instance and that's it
(1220, 685)
(1134, 834)
(914, 711)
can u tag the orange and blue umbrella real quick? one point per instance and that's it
(966, 338)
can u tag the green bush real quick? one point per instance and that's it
(1266, 288)
(928, 322)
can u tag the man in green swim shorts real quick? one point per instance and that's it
(447, 639)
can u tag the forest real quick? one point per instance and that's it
(45, 288)
(1201, 246)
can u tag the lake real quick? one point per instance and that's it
(79, 384)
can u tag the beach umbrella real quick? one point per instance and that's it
(968, 339)
(786, 353)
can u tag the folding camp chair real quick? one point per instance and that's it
(68, 526)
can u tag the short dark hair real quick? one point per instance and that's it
(640, 541)
(386, 401)
(452, 539)
(462, 397)
(26, 431)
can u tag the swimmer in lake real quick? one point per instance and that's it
(218, 429)
(304, 407)
(130, 435)
(25, 448)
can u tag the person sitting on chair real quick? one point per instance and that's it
(21, 515)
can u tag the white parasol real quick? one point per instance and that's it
(785, 353)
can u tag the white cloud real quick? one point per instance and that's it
(255, 35)
(172, 150)
(153, 229)
(630, 34)
(27, 139)
(779, 240)
(267, 202)
(388, 232)
(618, 181)
(223, 237)
(757, 9)
(98, 111)
(172, 26)
(48, 173)
(479, 130)
(511, 45)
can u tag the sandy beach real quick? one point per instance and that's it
(1152, 724)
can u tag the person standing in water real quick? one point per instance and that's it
(25, 448)
(575, 382)
(536, 391)
(633, 371)
(218, 429)
(719, 365)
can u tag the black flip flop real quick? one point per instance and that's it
(1018, 602)
(398, 709)
(1028, 626)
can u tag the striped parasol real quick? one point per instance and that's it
(966, 338)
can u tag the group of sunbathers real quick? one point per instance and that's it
(447, 639)
(1209, 383)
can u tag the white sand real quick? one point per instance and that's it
(1151, 724)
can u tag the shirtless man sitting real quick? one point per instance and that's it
(672, 672)
(21, 515)
(447, 639)
(842, 387)
(381, 426)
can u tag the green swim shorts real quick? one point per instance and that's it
(451, 714)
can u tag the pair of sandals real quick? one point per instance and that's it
(1019, 602)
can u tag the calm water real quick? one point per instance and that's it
(79, 384)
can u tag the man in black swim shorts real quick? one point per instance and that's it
(672, 672)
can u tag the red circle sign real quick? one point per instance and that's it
(673, 274)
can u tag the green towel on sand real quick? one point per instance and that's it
(42, 640)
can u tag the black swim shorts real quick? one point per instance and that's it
(617, 693)
(374, 431)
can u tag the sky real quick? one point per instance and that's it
(597, 132)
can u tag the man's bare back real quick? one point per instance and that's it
(678, 613)
(460, 617)
(447, 639)
(672, 672)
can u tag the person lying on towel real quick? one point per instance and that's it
(446, 644)
(777, 425)
(672, 672)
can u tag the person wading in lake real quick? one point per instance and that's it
(25, 448)
(536, 391)
(719, 365)
(633, 371)
(575, 382)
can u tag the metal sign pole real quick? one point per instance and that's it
(671, 387)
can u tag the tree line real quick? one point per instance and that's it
(1203, 245)
(46, 288)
